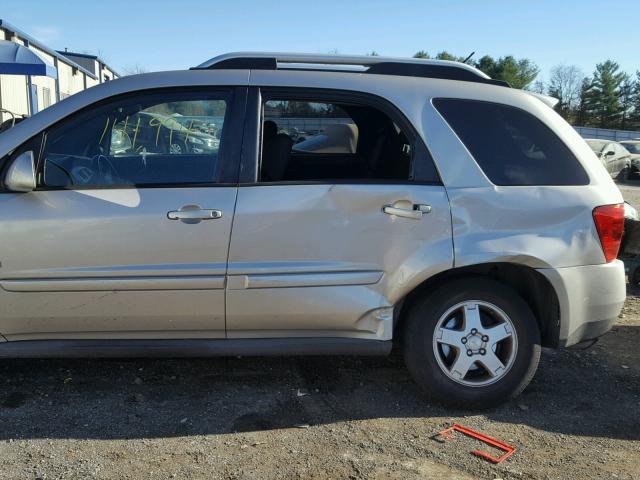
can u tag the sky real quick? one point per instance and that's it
(177, 34)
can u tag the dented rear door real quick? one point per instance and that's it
(326, 260)
(329, 258)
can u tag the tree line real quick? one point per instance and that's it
(608, 98)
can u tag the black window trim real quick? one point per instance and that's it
(433, 102)
(251, 151)
(236, 97)
(35, 144)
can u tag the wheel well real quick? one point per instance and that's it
(531, 285)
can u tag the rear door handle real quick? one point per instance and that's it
(194, 214)
(416, 211)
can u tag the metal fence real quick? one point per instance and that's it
(607, 134)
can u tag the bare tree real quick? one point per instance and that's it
(565, 83)
(538, 87)
(134, 69)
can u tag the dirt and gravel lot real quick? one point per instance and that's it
(315, 418)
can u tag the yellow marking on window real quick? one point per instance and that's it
(156, 122)
(186, 139)
(106, 127)
(135, 134)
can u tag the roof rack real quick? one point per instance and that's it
(406, 67)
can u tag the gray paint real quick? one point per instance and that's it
(303, 248)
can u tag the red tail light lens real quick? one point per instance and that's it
(609, 220)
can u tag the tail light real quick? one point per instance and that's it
(609, 220)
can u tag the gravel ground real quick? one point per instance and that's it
(316, 418)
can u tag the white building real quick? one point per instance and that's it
(75, 72)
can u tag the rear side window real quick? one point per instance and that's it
(511, 146)
(307, 140)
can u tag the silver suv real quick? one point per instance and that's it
(177, 214)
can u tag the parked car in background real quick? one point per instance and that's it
(436, 207)
(615, 158)
(153, 132)
(633, 146)
(12, 121)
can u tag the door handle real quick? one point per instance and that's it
(194, 214)
(414, 211)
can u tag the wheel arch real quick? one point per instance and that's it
(532, 286)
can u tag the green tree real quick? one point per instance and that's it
(627, 102)
(421, 54)
(373, 53)
(602, 98)
(444, 55)
(583, 114)
(488, 65)
(519, 73)
(634, 116)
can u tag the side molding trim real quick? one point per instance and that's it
(195, 282)
(192, 348)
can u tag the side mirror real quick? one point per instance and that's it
(21, 176)
(609, 153)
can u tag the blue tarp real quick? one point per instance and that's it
(18, 60)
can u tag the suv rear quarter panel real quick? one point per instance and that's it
(537, 226)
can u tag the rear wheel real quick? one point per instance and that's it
(624, 174)
(472, 343)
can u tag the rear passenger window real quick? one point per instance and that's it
(149, 139)
(511, 146)
(315, 140)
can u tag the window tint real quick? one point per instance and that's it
(306, 140)
(168, 138)
(511, 146)
(632, 147)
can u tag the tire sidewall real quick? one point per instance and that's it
(421, 358)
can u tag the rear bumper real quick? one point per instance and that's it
(590, 298)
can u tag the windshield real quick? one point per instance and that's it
(632, 147)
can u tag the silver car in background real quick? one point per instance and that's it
(633, 147)
(614, 156)
(427, 204)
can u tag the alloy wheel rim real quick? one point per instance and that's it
(475, 343)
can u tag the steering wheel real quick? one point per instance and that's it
(106, 170)
(101, 171)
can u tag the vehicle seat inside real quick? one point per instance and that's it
(276, 151)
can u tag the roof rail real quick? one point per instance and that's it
(406, 67)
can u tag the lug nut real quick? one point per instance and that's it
(469, 352)
(482, 351)
(485, 338)
(474, 331)
(464, 340)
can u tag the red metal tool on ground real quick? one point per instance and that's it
(508, 449)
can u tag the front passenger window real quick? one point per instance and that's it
(153, 139)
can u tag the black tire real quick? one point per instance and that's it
(624, 174)
(418, 334)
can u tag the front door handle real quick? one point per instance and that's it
(407, 209)
(194, 214)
